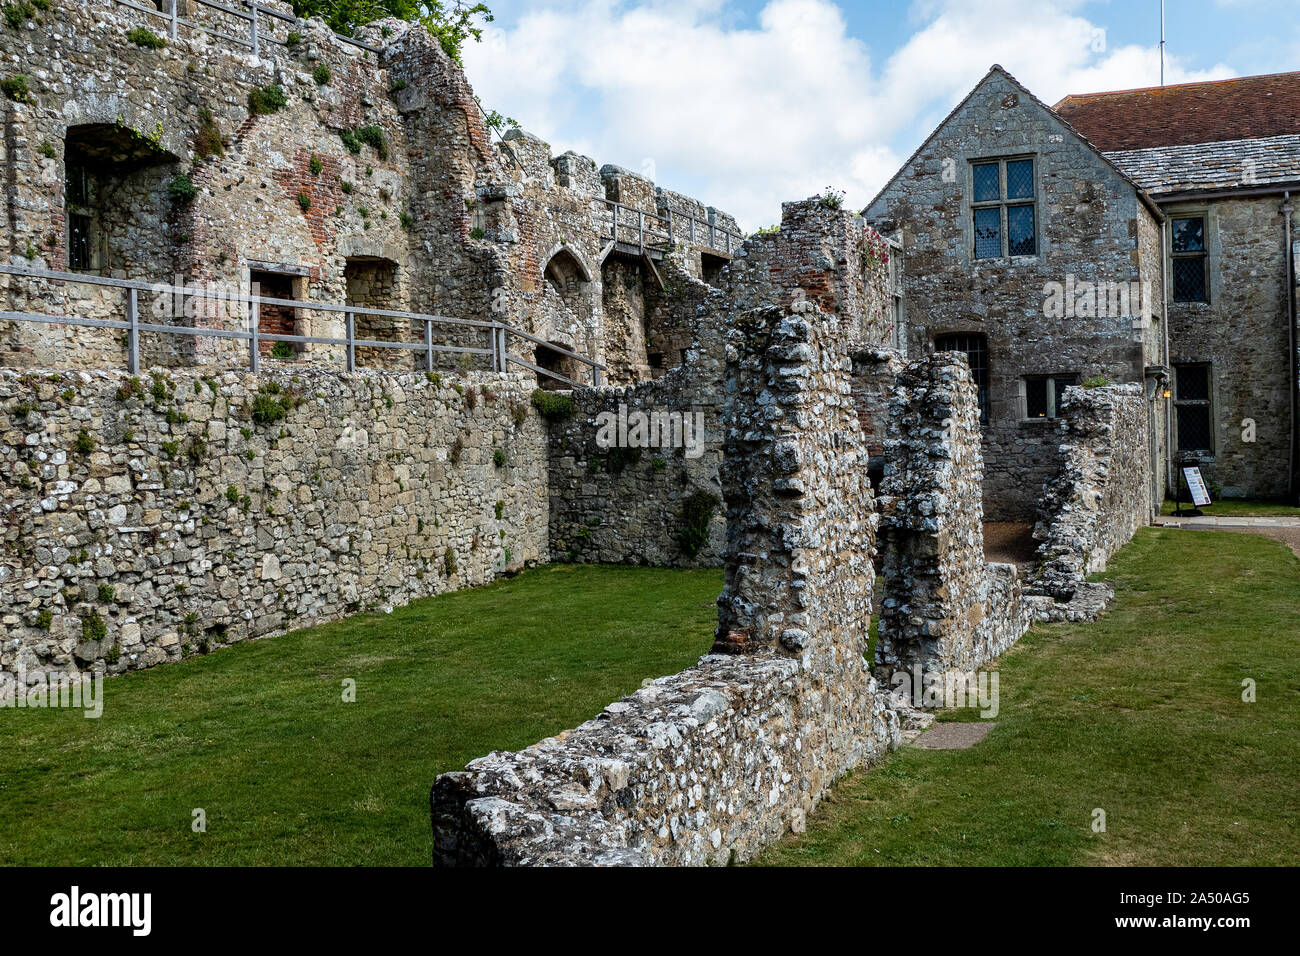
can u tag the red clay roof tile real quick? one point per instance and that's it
(1243, 108)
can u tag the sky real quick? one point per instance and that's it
(747, 103)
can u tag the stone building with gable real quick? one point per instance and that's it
(1141, 236)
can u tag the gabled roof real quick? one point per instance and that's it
(1248, 107)
(997, 68)
(1230, 164)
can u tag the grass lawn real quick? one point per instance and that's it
(1139, 714)
(259, 737)
(1239, 508)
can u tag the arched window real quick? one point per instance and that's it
(976, 347)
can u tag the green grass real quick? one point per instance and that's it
(1239, 507)
(258, 735)
(1139, 714)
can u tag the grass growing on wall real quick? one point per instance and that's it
(1139, 714)
(258, 735)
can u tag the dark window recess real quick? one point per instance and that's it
(655, 359)
(1193, 408)
(987, 187)
(1002, 201)
(78, 186)
(1190, 260)
(1044, 395)
(78, 242)
(988, 233)
(1020, 179)
(1036, 398)
(977, 355)
(1061, 383)
(1020, 231)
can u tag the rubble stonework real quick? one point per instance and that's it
(377, 184)
(164, 508)
(944, 608)
(629, 506)
(633, 504)
(1096, 502)
(1092, 225)
(713, 763)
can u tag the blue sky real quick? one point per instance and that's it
(747, 103)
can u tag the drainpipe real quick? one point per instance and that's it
(1164, 322)
(1287, 210)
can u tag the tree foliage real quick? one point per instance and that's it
(451, 22)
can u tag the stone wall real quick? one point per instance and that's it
(711, 764)
(182, 511)
(944, 607)
(647, 505)
(1092, 226)
(632, 505)
(467, 224)
(1097, 501)
(1241, 335)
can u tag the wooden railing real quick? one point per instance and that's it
(497, 333)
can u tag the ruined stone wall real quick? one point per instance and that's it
(944, 608)
(163, 508)
(1091, 227)
(711, 764)
(1241, 333)
(1097, 501)
(640, 505)
(647, 505)
(465, 225)
(824, 255)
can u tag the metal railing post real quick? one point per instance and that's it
(133, 333)
(349, 325)
(428, 344)
(171, 27)
(252, 26)
(670, 226)
(614, 211)
(595, 376)
(254, 317)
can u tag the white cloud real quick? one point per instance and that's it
(744, 117)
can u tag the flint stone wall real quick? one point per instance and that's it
(1097, 501)
(204, 527)
(944, 607)
(626, 505)
(709, 765)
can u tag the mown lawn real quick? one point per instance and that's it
(1238, 508)
(259, 737)
(1139, 714)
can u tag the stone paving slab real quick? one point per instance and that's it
(955, 736)
(1241, 521)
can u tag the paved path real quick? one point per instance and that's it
(1284, 529)
(954, 735)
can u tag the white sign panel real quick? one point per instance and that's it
(1196, 484)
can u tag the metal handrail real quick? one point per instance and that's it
(668, 234)
(255, 36)
(499, 332)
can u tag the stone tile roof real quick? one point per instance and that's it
(1249, 107)
(1222, 165)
